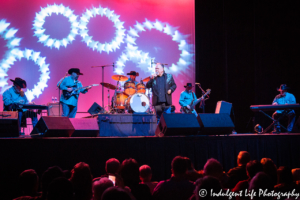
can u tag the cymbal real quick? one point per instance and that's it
(146, 79)
(119, 78)
(109, 86)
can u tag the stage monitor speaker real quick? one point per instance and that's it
(85, 127)
(177, 124)
(223, 107)
(54, 109)
(53, 127)
(215, 124)
(9, 124)
(95, 109)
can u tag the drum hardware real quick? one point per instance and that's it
(109, 65)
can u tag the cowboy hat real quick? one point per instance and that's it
(283, 87)
(134, 73)
(20, 82)
(188, 85)
(76, 70)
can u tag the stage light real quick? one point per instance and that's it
(40, 20)
(96, 45)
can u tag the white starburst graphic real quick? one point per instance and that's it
(143, 60)
(12, 43)
(96, 45)
(40, 20)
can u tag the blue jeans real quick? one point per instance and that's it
(68, 110)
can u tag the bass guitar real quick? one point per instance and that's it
(194, 103)
(68, 94)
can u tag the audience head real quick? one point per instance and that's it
(296, 174)
(253, 167)
(60, 189)
(112, 166)
(178, 166)
(100, 186)
(213, 168)
(261, 181)
(284, 175)
(129, 171)
(145, 173)
(208, 183)
(270, 168)
(29, 182)
(114, 193)
(81, 179)
(48, 176)
(243, 158)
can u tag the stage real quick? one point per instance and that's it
(18, 154)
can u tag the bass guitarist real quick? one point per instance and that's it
(186, 98)
(69, 100)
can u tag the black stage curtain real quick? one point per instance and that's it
(39, 154)
(245, 50)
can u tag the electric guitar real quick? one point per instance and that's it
(68, 94)
(194, 103)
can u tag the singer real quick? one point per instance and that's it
(68, 98)
(163, 85)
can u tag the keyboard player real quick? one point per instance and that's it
(284, 98)
(15, 95)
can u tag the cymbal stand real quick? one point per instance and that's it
(109, 65)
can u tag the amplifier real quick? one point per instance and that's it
(54, 109)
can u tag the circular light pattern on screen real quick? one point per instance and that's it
(13, 42)
(43, 68)
(40, 20)
(143, 60)
(119, 34)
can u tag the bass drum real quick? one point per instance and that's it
(138, 103)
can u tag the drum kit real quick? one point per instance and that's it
(130, 98)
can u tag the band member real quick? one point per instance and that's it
(163, 85)
(284, 98)
(186, 98)
(133, 75)
(67, 85)
(15, 95)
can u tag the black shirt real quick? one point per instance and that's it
(161, 83)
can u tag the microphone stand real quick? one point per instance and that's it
(58, 87)
(109, 65)
(202, 104)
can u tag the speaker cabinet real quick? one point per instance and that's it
(223, 107)
(9, 124)
(215, 124)
(177, 124)
(54, 109)
(85, 127)
(53, 127)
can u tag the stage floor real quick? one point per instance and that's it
(20, 153)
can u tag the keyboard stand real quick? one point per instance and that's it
(285, 112)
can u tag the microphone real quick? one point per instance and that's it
(197, 83)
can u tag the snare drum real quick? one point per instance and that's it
(120, 100)
(141, 88)
(138, 103)
(129, 88)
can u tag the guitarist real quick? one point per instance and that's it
(67, 85)
(186, 98)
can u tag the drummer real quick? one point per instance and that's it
(133, 75)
